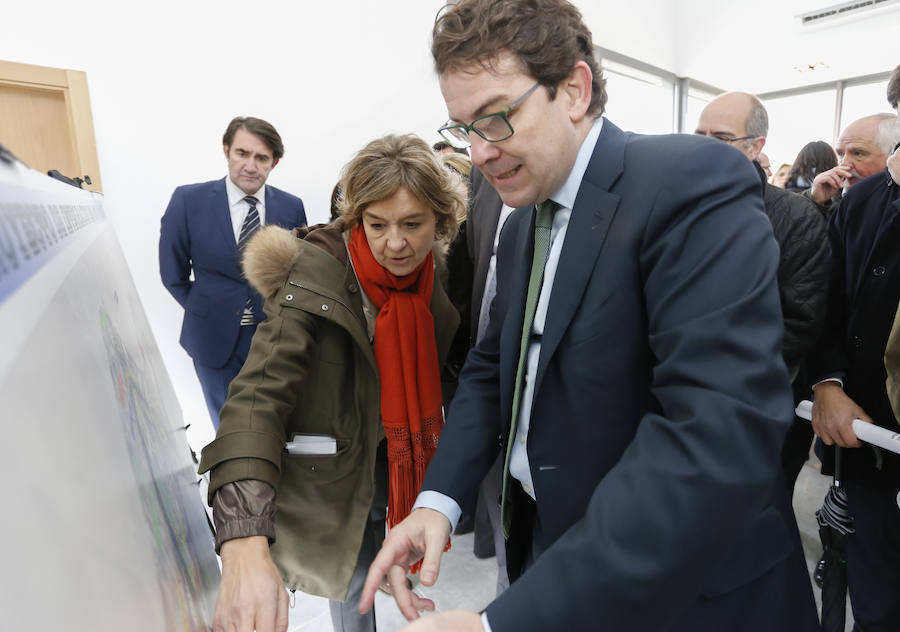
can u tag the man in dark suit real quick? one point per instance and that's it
(201, 238)
(848, 366)
(634, 382)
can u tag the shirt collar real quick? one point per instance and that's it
(565, 195)
(235, 195)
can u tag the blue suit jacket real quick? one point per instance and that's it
(196, 234)
(661, 399)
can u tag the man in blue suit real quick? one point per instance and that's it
(631, 368)
(203, 232)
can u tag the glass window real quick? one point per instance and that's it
(797, 120)
(638, 101)
(863, 100)
(696, 100)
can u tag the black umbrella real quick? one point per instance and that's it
(835, 527)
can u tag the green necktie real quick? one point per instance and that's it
(542, 224)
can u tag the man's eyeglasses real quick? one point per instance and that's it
(491, 127)
(731, 139)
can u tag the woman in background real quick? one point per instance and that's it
(779, 178)
(815, 158)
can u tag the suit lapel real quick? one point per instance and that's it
(221, 214)
(595, 207)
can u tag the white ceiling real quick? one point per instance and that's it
(752, 46)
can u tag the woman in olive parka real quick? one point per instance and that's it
(345, 369)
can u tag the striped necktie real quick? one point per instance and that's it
(542, 226)
(250, 226)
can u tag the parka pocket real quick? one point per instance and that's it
(317, 469)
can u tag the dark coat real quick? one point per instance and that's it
(661, 402)
(803, 270)
(865, 288)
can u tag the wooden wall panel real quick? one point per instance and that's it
(45, 119)
(34, 125)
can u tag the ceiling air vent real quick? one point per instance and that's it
(843, 10)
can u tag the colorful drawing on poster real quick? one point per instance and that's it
(166, 486)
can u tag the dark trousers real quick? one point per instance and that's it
(345, 615)
(873, 558)
(215, 381)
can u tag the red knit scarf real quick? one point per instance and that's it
(406, 356)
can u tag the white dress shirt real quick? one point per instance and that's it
(519, 466)
(239, 208)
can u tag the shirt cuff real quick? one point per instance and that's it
(442, 503)
(484, 622)
(829, 379)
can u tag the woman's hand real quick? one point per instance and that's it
(252, 595)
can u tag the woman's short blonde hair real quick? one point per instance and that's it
(459, 163)
(384, 165)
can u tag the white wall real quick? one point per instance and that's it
(642, 29)
(166, 77)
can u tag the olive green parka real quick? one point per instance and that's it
(310, 370)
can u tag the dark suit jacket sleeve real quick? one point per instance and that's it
(702, 462)
(175, 249)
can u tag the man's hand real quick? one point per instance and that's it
(454, 621)
(893, 165)
(833, 414)
(423, 533)
(252, 594)
(827, 183)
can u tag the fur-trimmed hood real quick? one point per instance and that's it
(269, 257)
(272, 252)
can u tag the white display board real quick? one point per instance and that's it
(103, 526)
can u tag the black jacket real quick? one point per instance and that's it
(865, 241)
(801, 233)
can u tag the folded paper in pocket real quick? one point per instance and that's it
(312, 445)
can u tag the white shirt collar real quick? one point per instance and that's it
(566, 194)
(235, 195)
